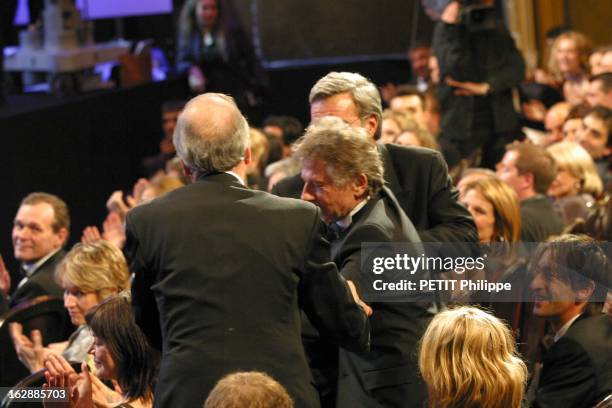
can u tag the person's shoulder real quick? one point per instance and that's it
(591, 328)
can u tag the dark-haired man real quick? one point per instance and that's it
(569, 279)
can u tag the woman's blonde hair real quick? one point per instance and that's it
(468, 359)
(583, 46)
(578, 162)
(505, 204)
(96, 267)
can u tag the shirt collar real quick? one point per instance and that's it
(565, 327)
(236, 176)
(346, 222)
(31, 267)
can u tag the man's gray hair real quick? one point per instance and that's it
(211, 144)
(347, 152)
(363, 91)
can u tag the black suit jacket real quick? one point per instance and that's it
(418, 178)
(387, 375)
(539, 219)
(227, 270)
(577, 369)
(42, 282)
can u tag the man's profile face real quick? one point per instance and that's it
(594, 136)
(33, 235)
(335, 202)
(553, 297)
(596, 96)
(169, 120)
(409, 103)
(508, 172)
(419, 60)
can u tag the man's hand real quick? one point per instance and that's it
(30, 351)
(468, 88)
(450, 15)
(113, 230)
(367, 309)
(5, 277)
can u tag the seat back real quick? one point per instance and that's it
(37, 380)
(44, 313)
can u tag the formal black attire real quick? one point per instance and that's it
(227, 270)
(539, 219)
(488, 56)
(40, 282)
(577, 369)
(387, 375)
(419, 179)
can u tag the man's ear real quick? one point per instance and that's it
(371, 125)
(247, 156)
(360, 186)
(529, 180)
(62, 235)
(583, 295)
(186, 169)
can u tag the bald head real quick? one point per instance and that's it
(211, 134)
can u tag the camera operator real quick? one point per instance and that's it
(479, 66)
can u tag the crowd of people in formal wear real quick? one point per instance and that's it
(233, 275)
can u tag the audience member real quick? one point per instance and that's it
(595, 59)
(478, 71)
(435, 211)
(393, 122)
(530, 170)
(553, 122)
(88, 274)
(216, 315)
(605, 64)
(214, 49)
(577, 183)
(121, 354)
(286, 129)
(415, 135)
(343, 175)
(600, 90)
(570, 275)
(154, 164)
(419, 55)
(596, 138)
(248, 389)
(259, 153)
(468, 358)
(411, 100)
(573, 124)
(568, 65)
(472, 174)
(40, 231)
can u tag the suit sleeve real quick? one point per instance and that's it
(452, 222)
(568, 377)
(326, 298)
(143, 300)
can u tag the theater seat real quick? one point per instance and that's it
(37, 380)
(44, 313)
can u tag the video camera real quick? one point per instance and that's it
(477, 16)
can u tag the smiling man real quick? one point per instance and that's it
(569, 279)
(343, 175)
(40, 230)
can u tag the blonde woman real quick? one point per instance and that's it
(468, 358)
(89, 273)
(394, 122)
(577, 183)
(569, 65)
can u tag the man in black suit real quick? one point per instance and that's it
(418, 177)
(570, 275)
(40, 230)
(225, 269)
(343, 175)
